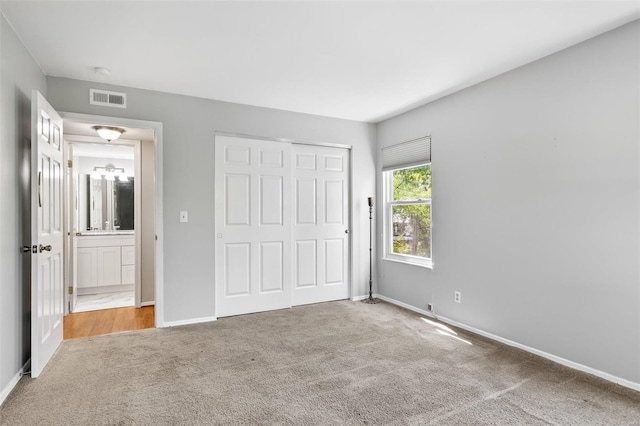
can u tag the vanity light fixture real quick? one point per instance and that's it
(110, 172)
(109, 133)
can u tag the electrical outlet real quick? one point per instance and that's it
(457, 296)
(430, 307)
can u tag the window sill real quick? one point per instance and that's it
(419, 264)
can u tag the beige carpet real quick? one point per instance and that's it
(331, 363)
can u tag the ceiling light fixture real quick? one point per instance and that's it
(108, 133)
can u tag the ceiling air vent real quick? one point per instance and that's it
(106, 98)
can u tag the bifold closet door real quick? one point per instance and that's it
(253, 225)
(321, 224)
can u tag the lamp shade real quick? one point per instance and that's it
(108, 133)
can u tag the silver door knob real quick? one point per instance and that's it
(346, 231)
(45, 248)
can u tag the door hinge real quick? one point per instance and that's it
(70, 164)
(70, 290)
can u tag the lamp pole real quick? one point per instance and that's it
(370, 300)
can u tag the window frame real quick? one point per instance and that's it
(387, 233)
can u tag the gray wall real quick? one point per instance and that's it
(536, 205)
(188, 141)
(19, 74)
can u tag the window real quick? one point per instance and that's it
(408, 214)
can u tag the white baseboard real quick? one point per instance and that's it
(13, 382)
(554, 358)
(188, 321)
(151, 303)
(568, 363)
(405, 305)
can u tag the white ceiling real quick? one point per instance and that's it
(357, 60)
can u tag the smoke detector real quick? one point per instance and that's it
(102, 70)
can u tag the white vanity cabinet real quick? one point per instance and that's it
(109, 266)
(128, 264)
(104, 261)
(87, 267)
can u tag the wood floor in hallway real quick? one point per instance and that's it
(105, 321)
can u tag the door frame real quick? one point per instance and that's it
(69, 190)
(352, 270)
(156, 126)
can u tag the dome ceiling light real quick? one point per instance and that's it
(108, 133)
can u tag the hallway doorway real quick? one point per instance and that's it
(102, 193)
(113, 286)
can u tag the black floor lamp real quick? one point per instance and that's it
(371, 300)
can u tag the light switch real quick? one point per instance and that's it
(184, 216)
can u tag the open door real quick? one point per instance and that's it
(47, 297)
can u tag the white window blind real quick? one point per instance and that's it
(406, 154)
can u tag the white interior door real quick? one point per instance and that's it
(253, 225)
(321, 218)
(47, 296)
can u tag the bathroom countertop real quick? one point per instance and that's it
(103, 233)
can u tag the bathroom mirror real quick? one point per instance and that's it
(105, 205)
(104, 191)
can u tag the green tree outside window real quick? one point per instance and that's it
(411, 211)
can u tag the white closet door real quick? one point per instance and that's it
(321, 222)
(253, 225)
